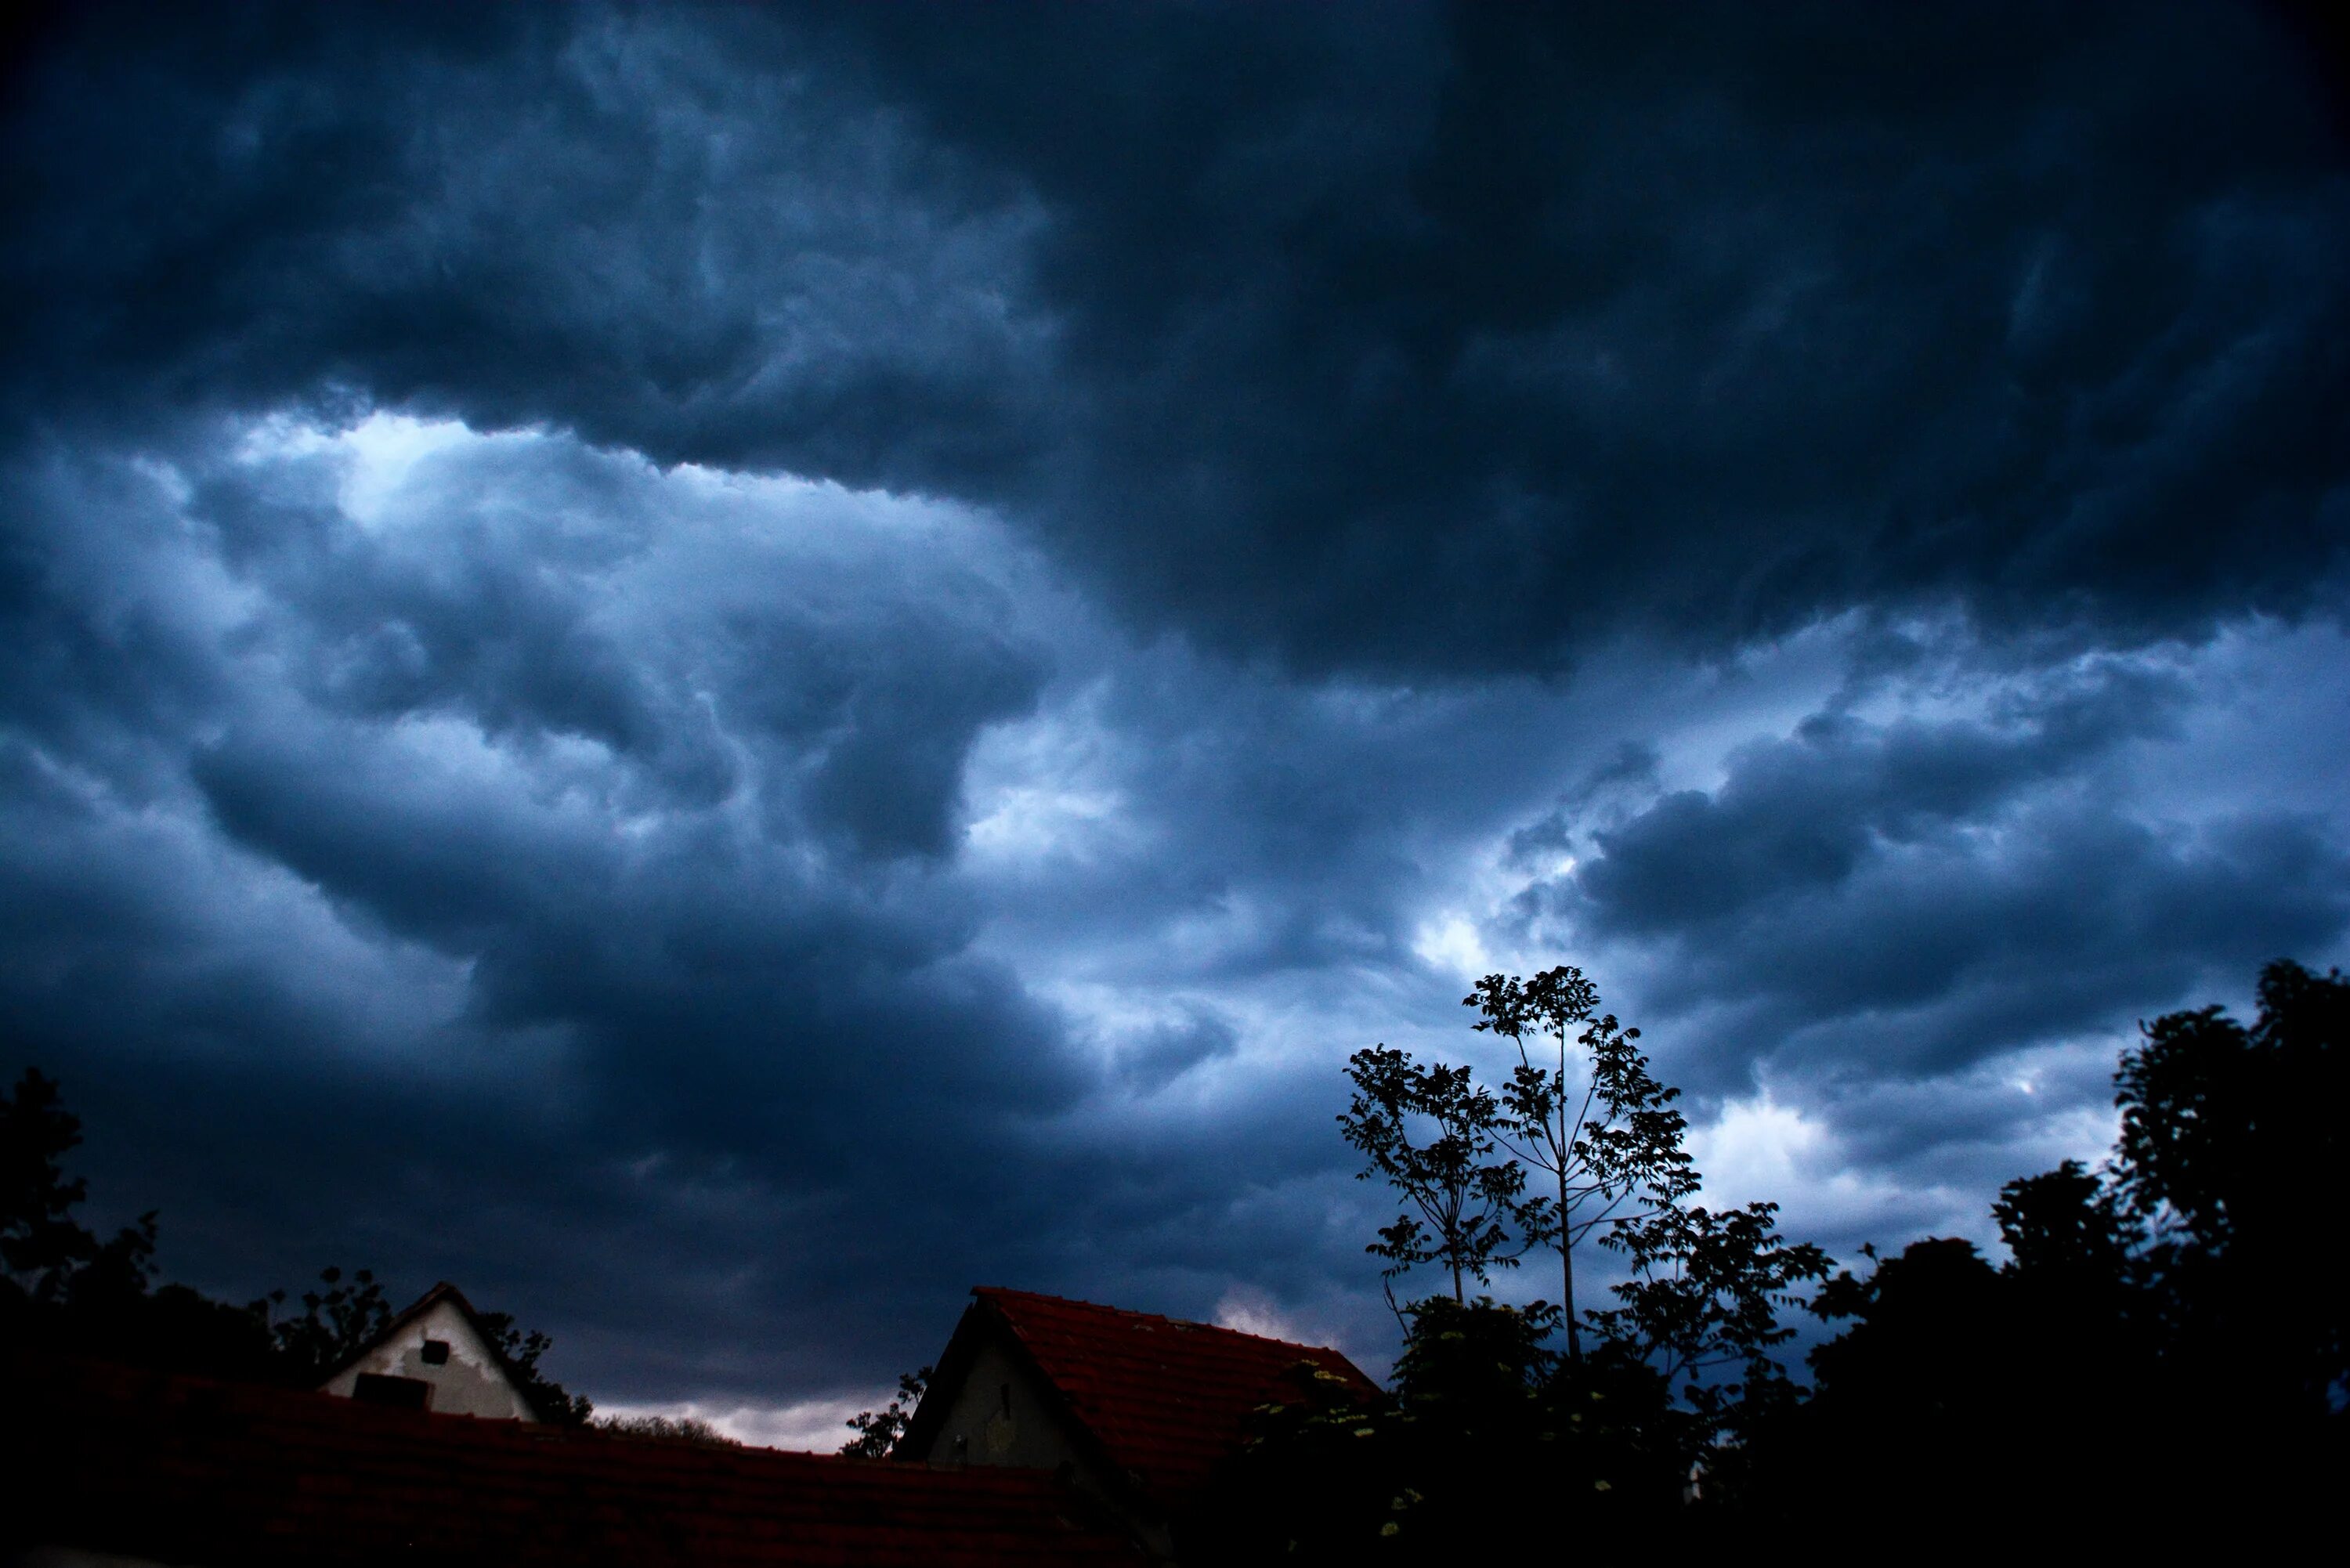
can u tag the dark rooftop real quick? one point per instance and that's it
(189, 1471)
(1167, 1400)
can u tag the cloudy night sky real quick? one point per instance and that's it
(721, 673)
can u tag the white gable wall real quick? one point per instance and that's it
(470, 1383)
(979, 1430)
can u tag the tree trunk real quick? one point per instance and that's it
(1566, 1273)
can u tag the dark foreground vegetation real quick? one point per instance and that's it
(64, 1290)
(2162, 1349)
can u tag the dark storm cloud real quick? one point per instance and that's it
(857, 684)
(478, 853)
(1416, 339)
(1155, 1056)
(670, 232)
(590, 853)
(1909, 896)
(459, 870)
(1801, 814)
(1718, 328)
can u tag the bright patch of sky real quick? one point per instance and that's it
(803, 1426)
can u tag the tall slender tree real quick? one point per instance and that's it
(1581, 1108)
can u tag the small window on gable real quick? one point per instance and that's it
(1004, 1392)
(436, 1352)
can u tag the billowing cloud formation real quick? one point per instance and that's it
(574, 769)
(1917, 893)
(722, 671)
(1452, 341)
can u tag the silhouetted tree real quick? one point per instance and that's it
(1701, 1311)
(1913, 1398)
(1590, 1115)
(1490, 1445)
(339, 1320)
(42, 1247)
(2171, 1316)
(878, 1431)
(1429, 1132)
(2230, 1138)
(691, 1430)
(62, 1286)
(522, 1350)
(1487, 1423)
(2065, 1224)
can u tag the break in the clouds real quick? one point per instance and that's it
(722, 672)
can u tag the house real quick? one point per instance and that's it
(436, 1356)
(1055, 1433)
(134, 1468)
(1135, 1410)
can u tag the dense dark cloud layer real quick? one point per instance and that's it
(1425, 340)
(1971, 878)
(723, 670)
(467, 739)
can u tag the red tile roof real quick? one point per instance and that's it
(1166, 1400)
(188, 1470)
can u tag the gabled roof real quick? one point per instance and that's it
(444, 1292)
(184, 1469)
(1165, 1401)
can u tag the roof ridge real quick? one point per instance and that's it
(999, 1291)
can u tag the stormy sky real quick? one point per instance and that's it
(721, 672)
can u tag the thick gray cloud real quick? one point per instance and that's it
(723, 670)
(589, 796)
(1475, 336)
(676, 233)
(1992, 878)
(1801, 814)
(1439, 341)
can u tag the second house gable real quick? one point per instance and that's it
(434, 1356)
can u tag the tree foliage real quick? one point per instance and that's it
(2171, 1312)
(1432, 1133)
(1486, 1406)
(62, 1286)
(2168, 1314)
(522, 1350)
(878, 1431)
(1489, 1446)
(2064, 1224)
(1701, 1309)
(2229, 1136)
(44, 1249)
(338, 1319)
(691, 1430)
(1590, 1115)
